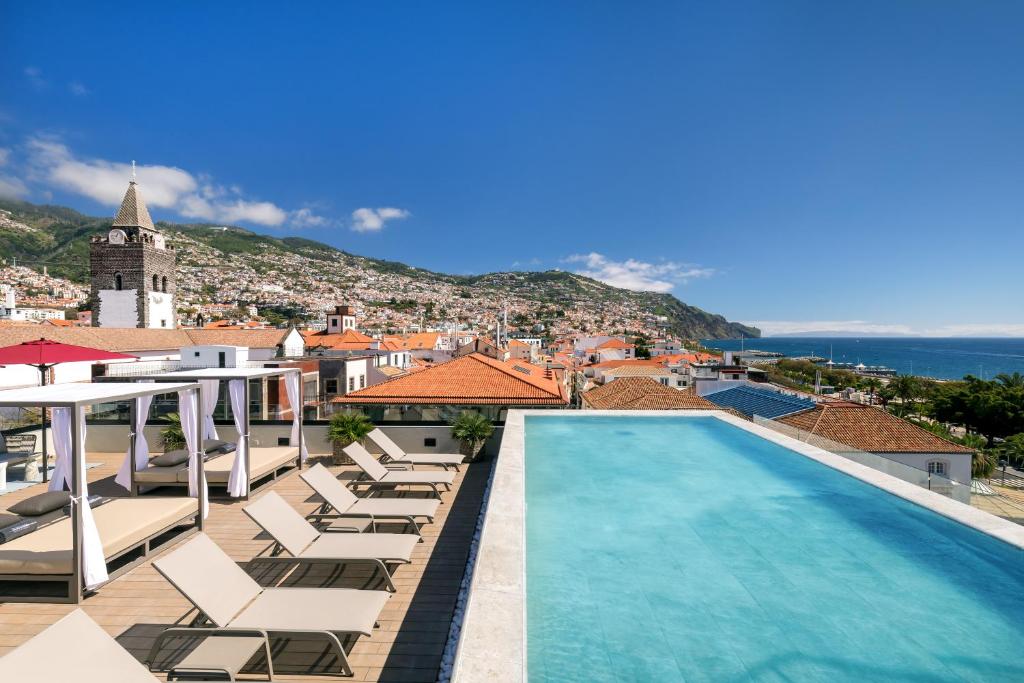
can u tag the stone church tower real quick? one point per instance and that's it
(132, 270)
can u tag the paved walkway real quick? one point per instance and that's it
(413, 627)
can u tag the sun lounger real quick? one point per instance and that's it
(377, 476)
(393, 453)
(73, 649)
(304, 544)
(353, 513)
(230, 599)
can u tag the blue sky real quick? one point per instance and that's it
(802, 165)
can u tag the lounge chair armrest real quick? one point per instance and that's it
(400, 467)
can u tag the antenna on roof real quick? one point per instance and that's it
(133, 170)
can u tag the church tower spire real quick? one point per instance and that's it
(132, 269)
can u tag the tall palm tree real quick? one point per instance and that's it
(1016, 380)
(871, 385)
(907, 389)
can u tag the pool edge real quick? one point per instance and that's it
(492, 643)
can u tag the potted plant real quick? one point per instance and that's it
(346, 428)
(172, 434)
(472, 430)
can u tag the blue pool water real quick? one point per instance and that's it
(686, 549)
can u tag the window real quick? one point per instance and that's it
(937, 467)
(163, 322)
(330, 386)
(163, 284)
(156, 285)
(118, 281)
(362, 381)
(352, 383)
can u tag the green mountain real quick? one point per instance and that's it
(224, 263)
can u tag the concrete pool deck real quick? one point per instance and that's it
(492, 645)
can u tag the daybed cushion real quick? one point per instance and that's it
(262, 461)
(122, 523)
(7, 519)
(170, 458)
(217, 446)
(161, 475)
(41, 503)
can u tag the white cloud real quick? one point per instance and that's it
(12, 188)
(372, 220)
(78, 89)
(193, 196)
(305, 218)
(638, 275)
(793, 327)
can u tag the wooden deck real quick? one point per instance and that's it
(413, 628)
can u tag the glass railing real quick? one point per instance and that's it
(908, 473)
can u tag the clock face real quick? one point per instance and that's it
(116, 236)
(158, 241)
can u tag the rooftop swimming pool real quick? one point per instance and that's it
(690, 549)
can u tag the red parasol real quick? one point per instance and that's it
(44, 354)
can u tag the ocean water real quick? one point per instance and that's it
(942, 358)
(685, 549)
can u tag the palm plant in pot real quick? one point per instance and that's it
(346, 428)
(173, 435)
(472, 430)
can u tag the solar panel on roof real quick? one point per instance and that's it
(753, 401)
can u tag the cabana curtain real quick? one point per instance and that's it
(211, 392)
(291, 385)
(238, 480)
(94, 565)
(124, 475)
(189, 410)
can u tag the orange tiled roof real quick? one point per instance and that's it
(643, 393)
(636, 362)
(470, 380)
(422, 340)
(614, 344)
(869, 429)
(516, 342)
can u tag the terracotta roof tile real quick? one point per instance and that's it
(869, 429)
(470, 380)
(643, 393)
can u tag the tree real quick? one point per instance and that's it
(1012, 449)
(871, 385)
(983, 463)
(995, 409)
(907, 389)
(1014, 381)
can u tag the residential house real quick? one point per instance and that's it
(874, 430)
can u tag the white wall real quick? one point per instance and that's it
(958, 464)
(161, 309)
(118, 308)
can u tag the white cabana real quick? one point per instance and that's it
(242, 471)
(88, 566)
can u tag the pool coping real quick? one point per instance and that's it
(492, 643)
